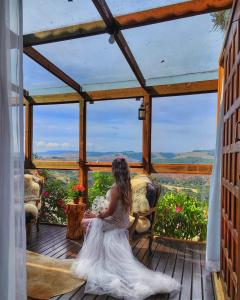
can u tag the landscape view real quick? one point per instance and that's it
(197, 186)
(182, 133)
(193, 157)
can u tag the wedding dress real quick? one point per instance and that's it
(107, 263)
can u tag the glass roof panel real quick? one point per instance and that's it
(177, 51)
(37, 80)
(40, 15)
(122, 7)
(93, 62)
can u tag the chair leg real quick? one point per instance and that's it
(29, 232)
(150, 244)
(37, 224)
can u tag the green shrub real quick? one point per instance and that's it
(99, 184)
(54, 200)
(181, 216)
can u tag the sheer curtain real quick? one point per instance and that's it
(12, 220)
(214, 211)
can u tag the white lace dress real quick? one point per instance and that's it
(107, 263)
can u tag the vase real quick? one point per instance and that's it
(76, 200)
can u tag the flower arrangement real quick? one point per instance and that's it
(99, 204)
(76, 191)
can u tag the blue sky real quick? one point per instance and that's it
(180, 124)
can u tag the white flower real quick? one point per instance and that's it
(100, 203)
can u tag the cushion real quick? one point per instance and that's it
(143, 224)
(151, 194)
(31, 208)
(31, 188)
(139, 193)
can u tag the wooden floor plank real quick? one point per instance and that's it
(207, 285)
(187, 275)
(184, 261)
(197, 274)
(168, 269)
(178, 271)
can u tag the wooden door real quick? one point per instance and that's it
(230, 216)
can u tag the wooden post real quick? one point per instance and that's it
(147, 126)
(220, 91)
(28, 134)
(83, 176)
(75, 214)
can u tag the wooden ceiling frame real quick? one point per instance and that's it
(199, 87)
(52, 68)
(113, 29)
(112, 25)
(132, 20)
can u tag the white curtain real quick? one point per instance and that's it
(12, 219)
(214, 210)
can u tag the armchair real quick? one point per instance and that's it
(33, 187)
(150, 215)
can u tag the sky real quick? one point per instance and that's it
(171, 52)
(179, 124)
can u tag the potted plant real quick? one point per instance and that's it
(76, 191)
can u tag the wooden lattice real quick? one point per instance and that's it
(230, 217)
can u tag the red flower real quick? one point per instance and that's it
(46, 194)
(178, 209)
(78, 187)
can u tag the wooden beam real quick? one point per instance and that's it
(107, 166)
(220, 89)
(55, 165)
(192, 169)
(195, 169)
(147, 17)
(83, 172)
(82, 130)
(198, 87)
(48, 65)
(113, 28)
(172, 12)
(122, 44)
(28, 133)
(147, 126)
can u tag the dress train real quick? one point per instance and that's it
(107, 263)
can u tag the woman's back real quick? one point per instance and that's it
(119, 218)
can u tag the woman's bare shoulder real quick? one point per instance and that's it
(114, 191)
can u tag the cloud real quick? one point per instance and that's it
(45, 146)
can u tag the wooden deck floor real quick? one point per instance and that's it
(183, 261)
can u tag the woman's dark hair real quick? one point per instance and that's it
(121, 174)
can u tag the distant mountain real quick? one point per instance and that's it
(194, 157)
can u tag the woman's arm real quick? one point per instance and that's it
(114, 195)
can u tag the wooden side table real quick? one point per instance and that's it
(75, 214)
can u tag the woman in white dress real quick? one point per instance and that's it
(106, 260)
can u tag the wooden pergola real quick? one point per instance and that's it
(229, 70)
(114, 25)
